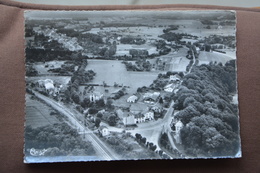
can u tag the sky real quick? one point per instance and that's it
(122, 15)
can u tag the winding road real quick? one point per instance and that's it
(153, 130)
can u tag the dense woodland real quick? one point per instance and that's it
(59, 139)
(210, 119)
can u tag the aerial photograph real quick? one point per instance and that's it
(130, 85)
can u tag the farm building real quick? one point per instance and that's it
(138, 108)
(139, 118)
(48, 86)
(103, 130)
(175, 77)
(149, 115)
(95, 96)
(151, 97)
(129, 120)
(132, 99)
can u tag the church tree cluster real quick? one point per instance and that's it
(206, 110)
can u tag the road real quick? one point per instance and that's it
(153, 130)
(101, 148)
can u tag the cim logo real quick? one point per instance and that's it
(35, 152)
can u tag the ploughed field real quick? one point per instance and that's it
(38, 113)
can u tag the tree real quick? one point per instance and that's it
(143, 140)
(31, 71)
(67, 95)
(138, 136)
(112, 120)
(160, 152)
(100, 103)
(210, 118)
(214, 141)
(109, 104)
(97, 122)
(161, 100)
(153, 148)
(207, 48)
(87, 102)
(75, 98)
(181, 74)
(92, 111)
(188, 101)
(187, 114)
(99, 115)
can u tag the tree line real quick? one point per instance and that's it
(78, 77)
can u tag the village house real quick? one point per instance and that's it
(139, 118)
(169, 88)
(178, 126)
(138, 108)
(151, 97)
(156, 109)
(175, 78)
(48, 86)
(175, 81)
(129, 120)
(149, 115)
(103, 130)
(95, 96)
(102, 111)
(132, 99)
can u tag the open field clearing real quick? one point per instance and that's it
(207, 57)
(111, 71)
(38, 113)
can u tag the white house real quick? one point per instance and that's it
(103, 130)
(138, 108)
(95, 96)
(129, 120)
(139, 118)
(149, 115)
(156, 109)
(132, 99)
(151, 97)
(178, 127)
(175, 77)
(169, 88)
(220, 27)
(47, 84)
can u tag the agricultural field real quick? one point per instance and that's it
(38, 113)
(111, 71)
(206, 57)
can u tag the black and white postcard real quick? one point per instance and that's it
(130, 85)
